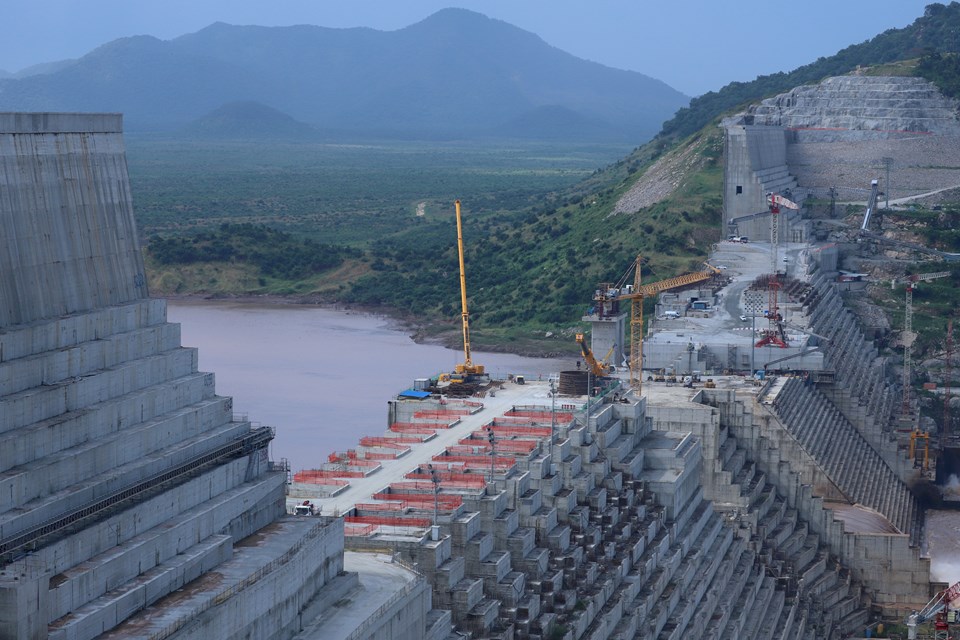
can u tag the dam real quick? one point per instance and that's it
(134, 502)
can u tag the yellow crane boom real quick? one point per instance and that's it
(467, 367)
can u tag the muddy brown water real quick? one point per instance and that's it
(321, 377)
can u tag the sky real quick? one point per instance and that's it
(694, 46)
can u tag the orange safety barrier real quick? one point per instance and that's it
(447, 501)
(388, 521)
(425, 486)
(445, 476)
(379, 506)
(393, 443)
(539, 415)
(441, 413)
(328, 482)
(412, 428)
(358, 530)
(431, 424)
(310, 474)
(518, 431)
(482, 458)
(372, 455)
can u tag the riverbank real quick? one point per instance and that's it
(448, 334)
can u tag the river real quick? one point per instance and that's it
(321, 377)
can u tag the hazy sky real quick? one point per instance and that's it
(692, 45)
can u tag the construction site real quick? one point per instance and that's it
(744, 463)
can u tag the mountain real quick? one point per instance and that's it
(456, 73)
(248, 120)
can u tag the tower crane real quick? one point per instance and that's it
(908, 335)
(468, 368)
(937, 609)
(636, 292)
(775, 334)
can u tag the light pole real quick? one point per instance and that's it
(753, 343)
(887, 162)
(493, 451)
(435, 479)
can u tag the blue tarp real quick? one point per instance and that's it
(413, 393)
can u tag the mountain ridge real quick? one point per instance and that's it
(456, 72)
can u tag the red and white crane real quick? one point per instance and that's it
(936, 608)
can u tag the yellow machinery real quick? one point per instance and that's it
(598, 369)
(467, 368)
(636, 296)
(915, 435)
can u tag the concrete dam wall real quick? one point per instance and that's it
(68, 241)
(124, 477)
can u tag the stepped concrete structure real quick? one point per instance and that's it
(133, 502)
(833, 139)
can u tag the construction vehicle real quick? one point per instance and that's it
(597, 368)
(467, 368)
(608, 296)
(936, 609)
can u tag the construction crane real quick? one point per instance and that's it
(597, 368)
(937, 609)
(908, 335)
(611, 294)
(468, 368)
(775, 334)
(947, 430)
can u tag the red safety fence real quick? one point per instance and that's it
(358, 530)
(388, 443)
(412, 428)
(441, 413)
(516, 431)
(447, 476)
(469, 446)
(445, 501)
(312, 475)
(388, 521)
(540, 415)
(432, 424)
(379, 506)
(352, 459)
(426, 486)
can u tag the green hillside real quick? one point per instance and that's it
(532, 269)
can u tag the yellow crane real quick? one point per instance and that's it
(467, 368)
(636, 294)
(597, 368)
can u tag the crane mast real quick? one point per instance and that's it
(467, 367)
(909, 336)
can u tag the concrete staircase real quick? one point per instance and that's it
(121, 471)
(884, 106)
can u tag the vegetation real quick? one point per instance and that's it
(943, 69)
(273, 253)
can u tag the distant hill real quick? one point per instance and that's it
(938, 30)
(456, 73)
(248, 120)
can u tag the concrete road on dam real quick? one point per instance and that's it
(361, 489)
